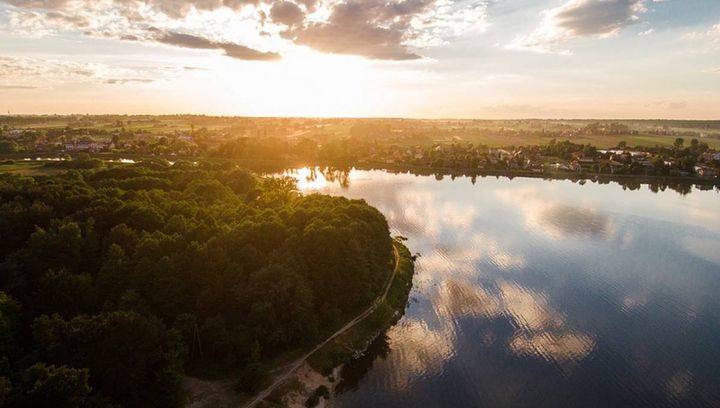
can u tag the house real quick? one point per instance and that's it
(704, 171)
(85, 146)
(583, 164)
(615, 166)
(13, 134)
(559, 167)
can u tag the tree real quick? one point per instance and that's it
(678, 144)
(8, 146)
(589, 151)
(9, 328)
(125, 272)
(54, 387)
(65, 293)
(122, 350)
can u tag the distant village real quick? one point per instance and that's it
(701, 162)
(422, 144)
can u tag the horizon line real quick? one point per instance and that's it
(10, 115)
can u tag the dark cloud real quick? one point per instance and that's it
(285, 12)
(244, 53)
(597, 17)
(230, 49)
(373, 28)
(580, 18)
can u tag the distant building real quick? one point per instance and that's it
(704, 171)
(583, 164)
(13, 133)
(90, 147)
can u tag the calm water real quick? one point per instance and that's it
(533, 293)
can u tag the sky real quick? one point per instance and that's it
(363, 58)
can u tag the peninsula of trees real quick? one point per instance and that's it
(116, 281)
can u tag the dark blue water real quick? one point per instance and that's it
(533, 293)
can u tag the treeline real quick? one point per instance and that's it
(117, 281)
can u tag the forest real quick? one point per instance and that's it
(116, 282)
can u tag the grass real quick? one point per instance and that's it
(27, 168)
(600, 141)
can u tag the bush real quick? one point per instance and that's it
(320, 392)
(251, 378)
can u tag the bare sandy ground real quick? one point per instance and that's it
(210, 394)
(310, 381)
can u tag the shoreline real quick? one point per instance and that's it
(320, 369)
(354, 343)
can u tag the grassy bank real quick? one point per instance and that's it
(345, 347)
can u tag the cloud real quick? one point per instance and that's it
(127, 80)
(34, 73)
(122, 25)
(712, 34)
(285, 12)
(579, 18)
(23, 68)
(230, 49)
(16, 87)
(372, 28)
(38, 4)
(375, 29)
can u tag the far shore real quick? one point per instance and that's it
(275, 166)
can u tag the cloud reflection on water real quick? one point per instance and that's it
(465, 256)
(540, 330)
(707, 249)
(423, 354)
(557, 218)
(521, 291)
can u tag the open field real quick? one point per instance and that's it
(489, 132)
(27, 168)
(601, 141)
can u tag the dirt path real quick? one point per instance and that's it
(292, 367)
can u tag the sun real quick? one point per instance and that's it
(304, 83)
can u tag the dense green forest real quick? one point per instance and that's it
(115, 282)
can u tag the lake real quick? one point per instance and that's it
(532, 293)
